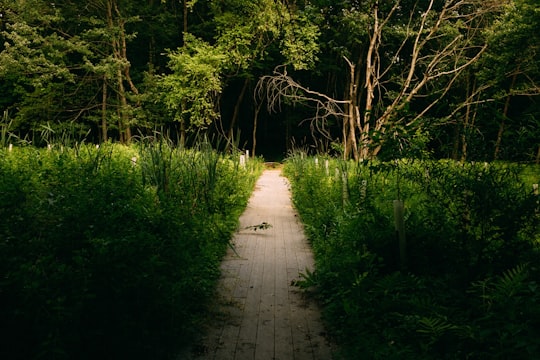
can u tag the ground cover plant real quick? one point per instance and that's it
(112, 252)
(466, 286)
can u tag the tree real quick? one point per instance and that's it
(406, 62)
(253, 31)
(34, 61)
(246, 34)
(511, 67)
(191, 92)
(80, 64)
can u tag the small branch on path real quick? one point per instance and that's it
(261, 226)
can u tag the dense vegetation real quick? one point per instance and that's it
(457, 77)
(466, 286)
(366, 80)
(112, 252)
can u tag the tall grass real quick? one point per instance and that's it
(104, 256)
(469, 289)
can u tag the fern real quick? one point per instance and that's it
(435, 327)
(307, 280)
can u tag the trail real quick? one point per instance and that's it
(260, 314)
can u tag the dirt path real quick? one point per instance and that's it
(260, 315)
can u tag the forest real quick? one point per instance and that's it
(454, 79)
(409, 131)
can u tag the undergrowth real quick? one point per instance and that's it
(112, 252)
(469, 287)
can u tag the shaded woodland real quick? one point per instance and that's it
(456, 79)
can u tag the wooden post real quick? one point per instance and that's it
(243, 161)
(399, 222)
(326, 164)
(10, 147)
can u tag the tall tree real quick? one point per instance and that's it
(35, 64)
(192, 90)
(512, 68)
(401, 67)
(246, 33)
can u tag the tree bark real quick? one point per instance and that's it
(255, 121)
(351, 111)
(118, 47)
(502, 125)
(236, 112)
(104, 135)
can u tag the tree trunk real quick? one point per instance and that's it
(502, 125)
(457, 142)
(104, 136)
(183, 129)
(236, 112)
(466, 128)
(125, 131)
(352, 106)
(371, 78)
(118, 46)
(345, 135)
(255, 121)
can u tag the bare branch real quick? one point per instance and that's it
(279, 86)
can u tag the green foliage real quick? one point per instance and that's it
(100, 68)
(106, 257)
(470, 287)
(191, 92)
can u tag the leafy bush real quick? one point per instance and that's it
(106, 257)
(469, 288)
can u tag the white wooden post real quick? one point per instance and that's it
(316, 162)
(326, 164)
(243, 161)
(247, 155)
(10, 147)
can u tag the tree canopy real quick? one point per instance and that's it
(455, 78)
